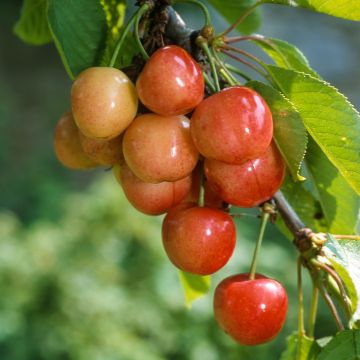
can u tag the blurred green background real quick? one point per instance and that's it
(82, 274)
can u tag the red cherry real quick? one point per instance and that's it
(233, 126)
(151, 199)
(159, 148)
(198, 240)
(171, 82)
(249, 184)
(250, 311)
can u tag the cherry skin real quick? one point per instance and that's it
(151, 199)
(252, 312)
(171, 82)
(103, 152)
(233, 125)
(67, 145)
(198, 240)
(249, 184)
(159, 148)
(104, 102)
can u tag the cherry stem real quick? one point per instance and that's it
(123, 36)
(339, 283)
(223, 71)
(262, 39)
(245, 62)
(235, 70)
(331, 306)
(144, 8)
(201, 199)
(264, 219)
(202, 43)
(202, 6)
(313, 310)
(209, 82)
(241, 18)
(301, 325)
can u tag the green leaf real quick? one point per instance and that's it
(346, 9)
(300, 348)
(115, 17)
(289, 131)
(344, 346)
(194, 286)
(80, 32)
(285, 55)
(338, 200)
(345, 258)
(32, 27)
(329, 118)
(231, 10)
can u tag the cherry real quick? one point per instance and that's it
(171, 82)
(233, 125)
(249, 184)
(151, 199)
(159, 148)
(252, 312)
(198, 240)
(103, 152)
(104, 102)
(67, 144)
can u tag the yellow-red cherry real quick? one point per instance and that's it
(249, 184)
(252, 312)
(233, 126)
(159, 148)
(104, 102)
(198, 240)
(171, 82)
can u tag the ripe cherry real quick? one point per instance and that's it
(159, 148)
(249, 184)
(104, 102)
(67, 144)
(252, 312)
(103, 152)
(151, 199)
(198, 240)
(233, 126)
(171, 82)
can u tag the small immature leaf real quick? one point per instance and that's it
(338, 200)
(194, 286)
(289, 131)
(344, 346)
(231, 10)
(32, 26)
(79, 29)
(329, 118)
(347, 9)
(300, 348)
(345, 258)
(286, 55)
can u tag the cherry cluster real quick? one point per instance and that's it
(190, 157)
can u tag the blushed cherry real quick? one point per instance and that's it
(198, 240)
(104, 102)
(151, 199)
(171, 82)
(159, 148)
(67, 145)
(249, 184)
(232, 126)
(252, 312)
